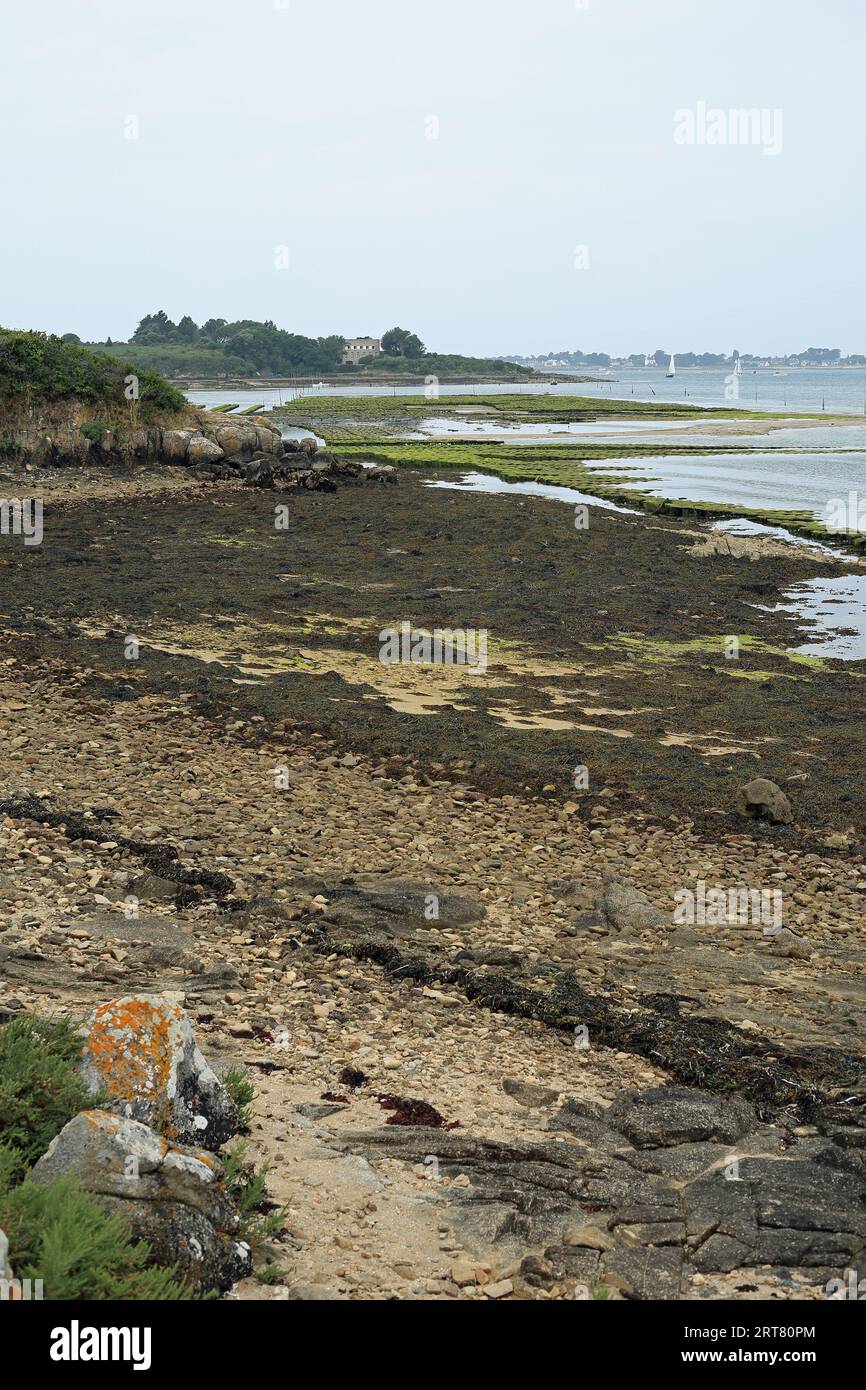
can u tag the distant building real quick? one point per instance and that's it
(358, 348)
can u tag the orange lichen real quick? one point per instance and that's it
(130, 1047)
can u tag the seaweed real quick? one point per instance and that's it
(414, 1112)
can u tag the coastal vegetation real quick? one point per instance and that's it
(38, 368)
(391, 415)
(247, 347)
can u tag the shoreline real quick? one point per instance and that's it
(258, 651)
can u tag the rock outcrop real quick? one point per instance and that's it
(212, 446)
(663, 1185)
(172, 1196)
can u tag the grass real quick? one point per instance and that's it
(510, 406)
(386, 416)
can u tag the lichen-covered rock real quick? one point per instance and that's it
(140, 1053)
(268, 439)
(172, 1196)
(762, 798)
(175, 444)
(203, 450)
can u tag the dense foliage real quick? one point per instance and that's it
(61, 1236)
(41, 367)
(446, 363)
(249, 346)
(39, 1087)
(399, 342)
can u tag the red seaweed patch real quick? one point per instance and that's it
(414, 1112)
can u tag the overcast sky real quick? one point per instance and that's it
(307, 125)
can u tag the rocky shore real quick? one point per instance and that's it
(209, 445)
(490, 1061)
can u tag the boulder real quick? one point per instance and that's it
(153, 888)
(203, 450)
(620, 907)
(626, 908)
(268, 439)
(259, 473)
(668, 1115)
(141, 1057)
(172, 1196)
(761, 798)
(394, 907)
(231, 439)
(174, 445)
(529, 1093)
(794, 947)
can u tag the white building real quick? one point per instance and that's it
(357, 348)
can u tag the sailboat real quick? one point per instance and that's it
(738, 369)
(672, 367)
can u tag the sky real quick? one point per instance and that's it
(499, 176)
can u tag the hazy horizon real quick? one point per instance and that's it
(501, 180)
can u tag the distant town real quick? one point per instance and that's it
(810, 357)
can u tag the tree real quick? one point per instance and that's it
(187, 330)
(399, 342)
(214, 330)
(155, 328)
(70, 338)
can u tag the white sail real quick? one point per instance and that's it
(672, 367)
(738, 370)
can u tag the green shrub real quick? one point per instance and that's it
(59, 1234)
(94, 430)
(242, 1092)
(40, 367)
(246, 1184)
(40, 1089)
